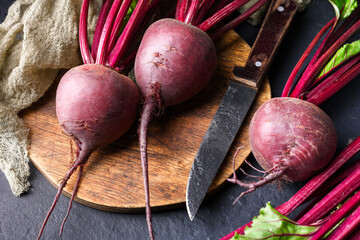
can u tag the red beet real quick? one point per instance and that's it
(294, 135)
(291, 139)
(95, 103)
(175, 61)
(95, 106)
(167, 55)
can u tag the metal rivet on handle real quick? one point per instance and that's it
(280, 8)
(258, 64)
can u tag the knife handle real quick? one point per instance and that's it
(272, 31)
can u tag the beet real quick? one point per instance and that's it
(292, 135)
(291, 139)
(96, 105)
(167, 55)
(165, 75)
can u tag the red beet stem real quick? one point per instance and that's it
(334, 181)
(223, 29)
(76, 187)
(218, 6)
(122, 43)
(83, 41)
(99, 27)
(183, 8)
(335, 82)
(350, 224)
(83, 155)
(321, 48)
(146, 116)
(118, 22)
(127, 61)
(221, 14)
(313, 202)
(177, 9)
(337, 216)
(342, 28)
(105, 35)
(335, 197)
(300, 63)
(203, 10)
(311, 72)
(194, 7)
(355, 235)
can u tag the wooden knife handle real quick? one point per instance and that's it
(272, 31)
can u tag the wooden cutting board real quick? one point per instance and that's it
(112, 178)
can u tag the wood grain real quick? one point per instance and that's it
(112, 178)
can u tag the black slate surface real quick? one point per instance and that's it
(21, 218)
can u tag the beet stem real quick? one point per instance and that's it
(221, 14)
(177, 9)
(76, 187)
(337, 216)
(105, 35)
(342, 28)
(118, 21)
(83, 41)
(191, 15)
(300, 63)
(314, 69)
(218, 6)
(203, 10)
(335, 180)
(223, 29)
(350, 224)
(82, 157)
(335, 197)
(99, 27)
(183, 9)
(146, 116)
(335, 82)
(122, 42)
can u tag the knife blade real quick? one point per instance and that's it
(235, 104)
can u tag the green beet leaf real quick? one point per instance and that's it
(343, 8)
(272, 225)
(344, 53)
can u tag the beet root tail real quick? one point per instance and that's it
(146, 116)
(275, 174)
(76, 187)
(82, 157)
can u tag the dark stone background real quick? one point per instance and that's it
(21, 218)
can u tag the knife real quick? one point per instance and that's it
(235, 104)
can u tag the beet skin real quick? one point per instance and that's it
(96, 105)
(180, 57)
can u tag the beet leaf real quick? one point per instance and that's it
(270, 223)
(343, 8)
(343, 54)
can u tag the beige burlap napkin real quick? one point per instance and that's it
(37, 38)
